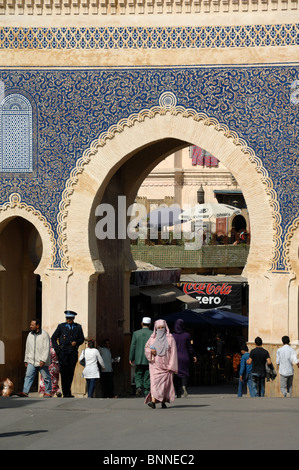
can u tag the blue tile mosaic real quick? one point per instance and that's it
(185, 37)
(74, 106)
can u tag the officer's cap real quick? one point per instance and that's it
(70, 314)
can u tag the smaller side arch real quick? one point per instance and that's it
(16, 208)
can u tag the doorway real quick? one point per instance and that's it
(20, 288)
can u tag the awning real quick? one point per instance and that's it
(187, 299)
(168, 293)
(154, 278)
(227, 191)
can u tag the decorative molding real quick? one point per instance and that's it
(189, 113)
(164, 38)
(142, 7)
(288, 239)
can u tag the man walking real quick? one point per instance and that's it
(258, 357)
(66, 340)
(137, 356)
(285, 358)
(37, 358)
(245, 379)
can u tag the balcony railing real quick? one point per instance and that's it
(210, 256)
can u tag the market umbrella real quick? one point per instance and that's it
(164, 217)
(214, 317)
(207, 210)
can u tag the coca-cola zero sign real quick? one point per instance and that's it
(208, 293)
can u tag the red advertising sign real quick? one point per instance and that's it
(208, 293)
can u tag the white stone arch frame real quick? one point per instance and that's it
(16, 208)
(291, 246)
(114, 147)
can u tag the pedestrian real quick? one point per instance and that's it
(54, 373)
(220, 352)
(245, 379)
(220, 345)
(285, 358)
(91, 371)
(66, 340)
(107, 374)
(137, 357)
(37, 358)
(161, 353)
(258, 357)
(185, 352)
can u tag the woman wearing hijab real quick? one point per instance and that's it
(161, 353)
(185, 351)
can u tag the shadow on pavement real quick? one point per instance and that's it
(21, 433)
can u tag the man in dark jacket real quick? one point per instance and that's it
(66, 340)
(137, 356)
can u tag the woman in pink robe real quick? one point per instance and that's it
(161, 353)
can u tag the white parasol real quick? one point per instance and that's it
(207, 210)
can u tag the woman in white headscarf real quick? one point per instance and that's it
(161, 353)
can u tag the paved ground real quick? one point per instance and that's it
(207, 419)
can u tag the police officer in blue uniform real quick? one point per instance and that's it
(66, 340)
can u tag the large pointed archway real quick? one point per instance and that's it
(116, 164)
(126, 147)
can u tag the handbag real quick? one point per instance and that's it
(82, 362)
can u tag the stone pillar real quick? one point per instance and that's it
(282, 313)
(126, 325)
(293, 311)
(126, 367)
(54, 289)
(82, 299)
(273, 313)
(65, 290)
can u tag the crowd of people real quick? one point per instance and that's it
(58, 356)
(161, 362)
(169, 358)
